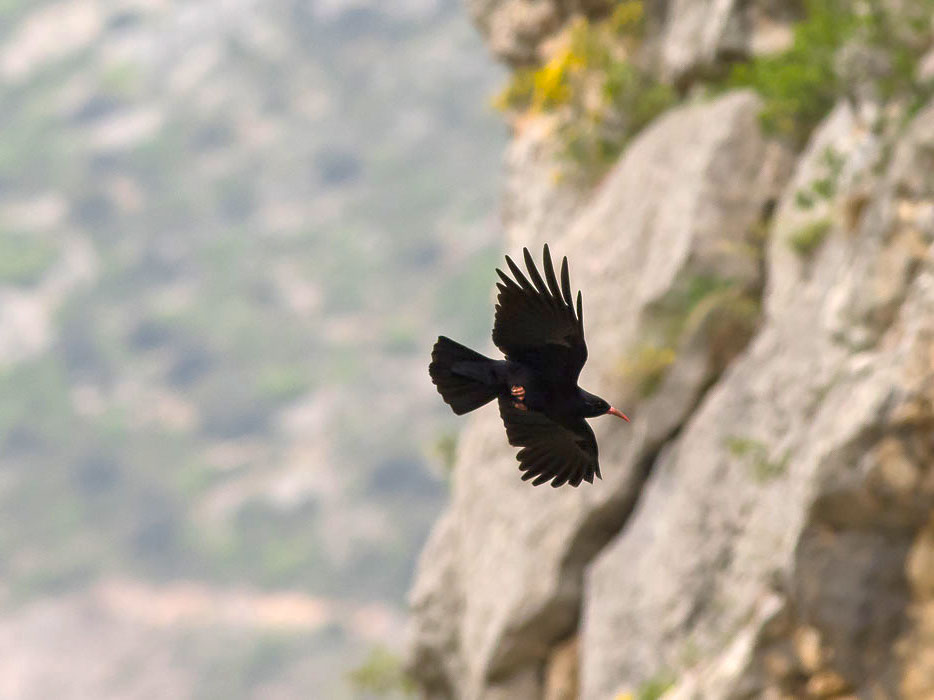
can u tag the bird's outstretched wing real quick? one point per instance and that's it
(562, 454)
(536, 323)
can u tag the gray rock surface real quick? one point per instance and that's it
(686, 39)
(436, 602)
(513, 555)
(538, 204)
(515, 29)
(696, 35)
(804, 473)
(764, 527)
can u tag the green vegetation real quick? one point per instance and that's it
(801, 85)
(766, 470)
(723, 311)
(804, 199)
(647, 367)
(728, 319)
(445, 449)
(560, 80)
(756, 455)
(599, 97)
(381, 673)
(655, 687)
(825, 187)
(742, 446)
(678, 310)
(807, 239)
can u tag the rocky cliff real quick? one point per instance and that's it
(757, 264)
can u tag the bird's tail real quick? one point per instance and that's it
(465, 379)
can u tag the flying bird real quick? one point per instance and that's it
(542, 336)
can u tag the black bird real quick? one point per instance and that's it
(542, 337)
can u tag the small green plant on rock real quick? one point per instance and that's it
(381, 673)
(719, 310)
(648, 367)
(598, 95)
(802, 84)
(804, 199)
(823, 187)
(799, 85)
(652, 689)
(756, 454)
(807, 239)
(655, 687)
(445, 449)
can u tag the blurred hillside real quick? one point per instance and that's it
(228, 232)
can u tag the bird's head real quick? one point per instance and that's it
(595, 406)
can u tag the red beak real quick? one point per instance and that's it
(618, 414)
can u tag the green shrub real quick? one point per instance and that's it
(445, 449)
(825, 187)
(800, 85)
(648, 366)
(804, 199)
(600, 98)
(655, 687)
(756, 455)
(723, 312)
(809, 237)
(381, 673)
(678, 308)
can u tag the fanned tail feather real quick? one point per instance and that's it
(459, 372)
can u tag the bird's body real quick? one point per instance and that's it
(540, 402)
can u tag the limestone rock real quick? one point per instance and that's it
(697, 35)
(561, 677)
(538, 205)
(685, 38)
(515, 29)
(436, 603)
(678, 208)
(778, 483)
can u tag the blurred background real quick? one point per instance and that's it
(229, 233)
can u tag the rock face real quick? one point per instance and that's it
(537, 205)
(500, 580)
(696, 35)
(515, 29)
(687, 39)
(764, 527)
(818, 457)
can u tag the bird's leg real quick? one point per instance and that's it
(519, 393)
